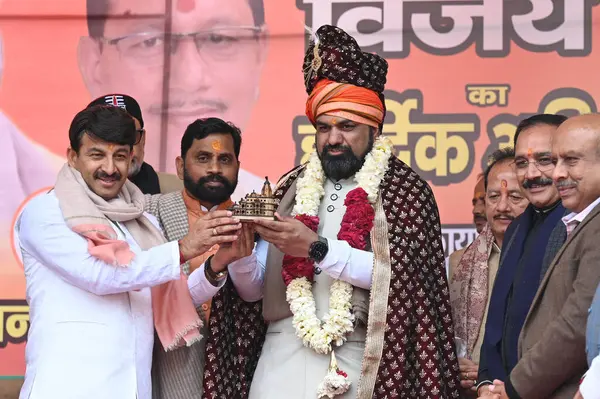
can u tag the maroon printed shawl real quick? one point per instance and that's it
(236, 333)
(419, 358)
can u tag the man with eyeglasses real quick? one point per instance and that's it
(530, 244)
(551, 347)
(194, 60)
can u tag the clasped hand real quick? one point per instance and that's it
(288, 234)
(231, 251)
(214, 228)
(495, 391)
(468, 373)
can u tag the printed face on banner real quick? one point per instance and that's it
(215, 56)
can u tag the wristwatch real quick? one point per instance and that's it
(213, 277)
(318, 250)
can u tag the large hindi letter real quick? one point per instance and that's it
(387, 13)
(14, 321)
(438, 143)
(304, 138)
(487, 95)
(571, 33)
(321, 11)
(17, 324)
(390, 17)
(397, 131)
(349, 22)
(441, 143)
(3, 310)
(568, 99)
(506, 130)
(462, 15)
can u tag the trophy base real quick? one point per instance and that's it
(249, 218)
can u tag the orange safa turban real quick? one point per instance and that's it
(347, 101)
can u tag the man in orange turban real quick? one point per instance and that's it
(355, 288)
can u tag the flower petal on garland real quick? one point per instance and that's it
(298, 273)
(312, 222)
(297, 268)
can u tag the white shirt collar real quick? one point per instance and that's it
(214, 208)
(571, 217)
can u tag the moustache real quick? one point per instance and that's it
(338, 147)
(565, 184)
(478, 216)
(179, 104)
(504, 217)
(538, 181)
(105, 176)
(213, 179)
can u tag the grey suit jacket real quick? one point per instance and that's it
(552, 342)
(177, 374)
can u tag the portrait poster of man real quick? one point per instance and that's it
(461, 77)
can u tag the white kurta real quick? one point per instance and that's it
(92, 332)
(288, 369)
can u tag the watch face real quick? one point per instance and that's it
(318, 251)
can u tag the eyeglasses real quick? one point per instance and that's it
(139, 133)
(543, 163)
(218, 44)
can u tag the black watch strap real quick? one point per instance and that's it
(211, 276)
(318, 250)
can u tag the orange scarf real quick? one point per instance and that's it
(345, 101)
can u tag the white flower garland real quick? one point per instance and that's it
(339, 321)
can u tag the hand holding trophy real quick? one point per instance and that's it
(214, 228)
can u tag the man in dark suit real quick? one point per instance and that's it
(522, 263)
(551, 348)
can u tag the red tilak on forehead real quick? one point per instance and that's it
(186, 5)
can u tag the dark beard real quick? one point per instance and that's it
(212, 195)
(345, 165)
